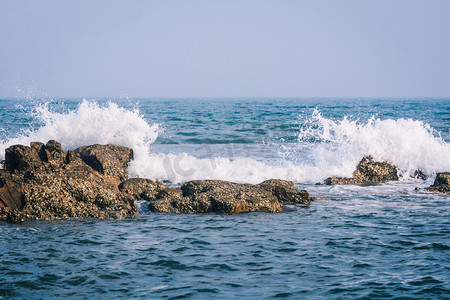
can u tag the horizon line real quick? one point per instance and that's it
(215, 97)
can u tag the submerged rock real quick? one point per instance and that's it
(368, 170)
(228, 197)
(441, 183)
(44, 182)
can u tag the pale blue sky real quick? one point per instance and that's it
(241, 48)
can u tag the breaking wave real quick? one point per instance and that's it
(91, 123)
(325, 147)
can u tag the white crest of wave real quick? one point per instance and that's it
(407, 143)
(326, 147)
(91, 123)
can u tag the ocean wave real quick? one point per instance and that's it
(90, 123)
(325, 147)
(407, 143)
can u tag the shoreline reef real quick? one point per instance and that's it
(44, 182)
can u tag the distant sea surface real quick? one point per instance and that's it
(369, 241)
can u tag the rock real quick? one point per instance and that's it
(52, 153)
(109, 160)
(141, 189)
(339, 180)
(216, 196)
(45, 182)
(441, 183)
(21, 158)
(228, 197)
(368, 170)
(286, 191)
(11, 193)
(419, 174)
(442, 179)
(171, 200)
(320, 199)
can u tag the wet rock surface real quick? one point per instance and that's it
(141, 188)
(109, 160)
(368, 170)
(228, 197)
(441, 183)
(44, 182)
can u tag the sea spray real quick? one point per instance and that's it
(90, 123)
(325, 147)
(407, 143)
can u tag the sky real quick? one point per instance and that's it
(243, 48)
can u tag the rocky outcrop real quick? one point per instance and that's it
(286, 191)
(441, 183)
(368, 170)
(141, 188)
(46, 182)
(109, 160)
(228, 197)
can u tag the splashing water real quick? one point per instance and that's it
(91, 123)
(407, 143)
(325, 147)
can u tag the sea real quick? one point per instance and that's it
(367, 241)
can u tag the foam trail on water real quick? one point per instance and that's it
(182, 167)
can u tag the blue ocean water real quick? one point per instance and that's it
(373, 241)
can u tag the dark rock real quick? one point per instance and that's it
(286, 191)
(217, 196)
(38, 145)
(11, 193)
(441, 183)
(21, 158)
(141, 189)
(368, 170)
(228, 197)
(171, 200)
(419, 174)
(442, 179)
(109, 160)
(45, 182)
(339, 180)
(53, 154)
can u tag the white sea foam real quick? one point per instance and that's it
(325, 147)
(407, 143)
(90, 123)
